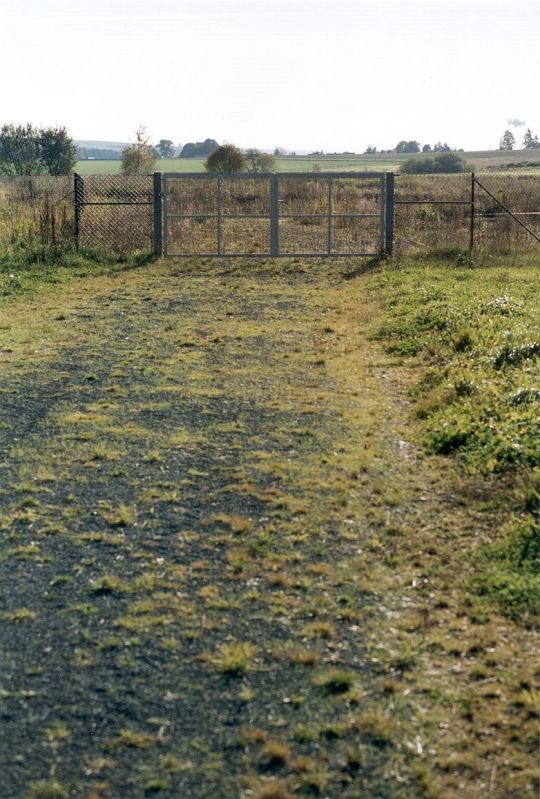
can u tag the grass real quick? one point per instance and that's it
(234, 659)
(47, 789)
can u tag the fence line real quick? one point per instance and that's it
(465, 211)
(297, 214)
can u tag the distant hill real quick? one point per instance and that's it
(102, 145)
(99, 150)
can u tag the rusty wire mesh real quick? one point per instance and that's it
(115, 213)
(36, 211)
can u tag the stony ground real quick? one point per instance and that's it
(226, 570)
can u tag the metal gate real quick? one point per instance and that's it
(287, 214)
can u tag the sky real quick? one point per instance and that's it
(332, 75)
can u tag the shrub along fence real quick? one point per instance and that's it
(318, 214)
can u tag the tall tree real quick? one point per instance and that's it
(258, 161)
(530, 142)
(20, 152)
(508, 140)
(138, 158)
(58, 150)
(165, 148)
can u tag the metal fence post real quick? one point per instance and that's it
(218, 212)
(382, 221)
(158, 219)
(389, 215)
(274, 215)
(329, 222)
(473, 188)
(78, 196)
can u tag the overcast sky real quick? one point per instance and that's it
(303, 74)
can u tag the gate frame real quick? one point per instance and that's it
(385, 214)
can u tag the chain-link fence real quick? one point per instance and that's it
(491, 212)
(36, 211)
(506, 212)
(114, 213)
(431, 212)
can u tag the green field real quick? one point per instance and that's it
(488, 159)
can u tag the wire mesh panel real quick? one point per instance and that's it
(284, 214)
(330, 214)
(495, 228)
(115, 213)
(36, 210)
(432, 212)
(304, 208)
(217, 214)
(357, 205)
(245, 215)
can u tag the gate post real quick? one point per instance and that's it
(389, 214)
(158, 230)
(473, 211)
(78, 195)
(274, 215)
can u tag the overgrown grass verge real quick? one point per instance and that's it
(26, 267)
(473, 333)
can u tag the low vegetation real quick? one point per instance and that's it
(443, 163)
(475, 334)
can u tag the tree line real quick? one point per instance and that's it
(140, 158)
(404, 146)
(28, 150)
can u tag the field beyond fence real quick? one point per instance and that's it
(319, 214)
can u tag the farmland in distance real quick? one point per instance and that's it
(519, 161)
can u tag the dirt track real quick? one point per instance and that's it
(198, 504)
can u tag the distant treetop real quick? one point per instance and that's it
(530, 141)
(139, 158)
(199, 149)
(408, 147)
(225, 160)
(508, 140)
